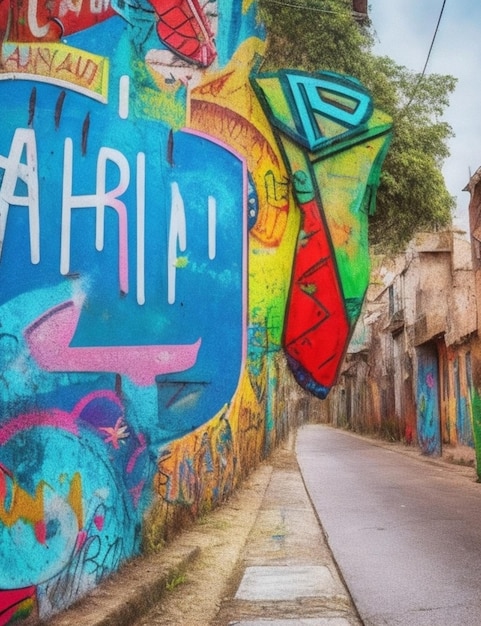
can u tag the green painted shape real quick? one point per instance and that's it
(341, 172)
(476, 406)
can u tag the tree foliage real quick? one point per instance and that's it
(322, 34)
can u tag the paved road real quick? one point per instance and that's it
(406, 532)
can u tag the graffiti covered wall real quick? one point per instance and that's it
(175, 228)
(408, 374)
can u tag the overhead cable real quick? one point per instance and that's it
(304, 7)
(421, 76)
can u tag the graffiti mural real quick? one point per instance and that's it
(172, 222)
(330, 137)
(429, 424)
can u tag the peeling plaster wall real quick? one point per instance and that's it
(408, 370)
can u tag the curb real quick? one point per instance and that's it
(125, 596)
(413, 452)
(130, 594)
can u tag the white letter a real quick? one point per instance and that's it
(28, 174)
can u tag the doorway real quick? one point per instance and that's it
(427, 400)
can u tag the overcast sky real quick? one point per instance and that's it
(405, 29)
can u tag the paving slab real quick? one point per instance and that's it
(285, 583)
(287, 575)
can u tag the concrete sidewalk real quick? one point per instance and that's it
(261, 559)
(287, 575)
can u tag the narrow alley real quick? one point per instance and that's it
(383, 536)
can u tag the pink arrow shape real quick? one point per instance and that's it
(49, 338)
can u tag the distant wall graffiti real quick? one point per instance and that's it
(172, 223)
(429, 425)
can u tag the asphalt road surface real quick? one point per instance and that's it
(405, 532)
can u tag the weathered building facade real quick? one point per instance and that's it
(474, 189)
(408, 370)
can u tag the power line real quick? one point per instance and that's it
(304, 7)
(416, 86)
(421, 76)
(434, 39)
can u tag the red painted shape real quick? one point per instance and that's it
(184, 28)
(3, 482)
(317, 328)
(41, 532)
(10, 601)
(46, 20)
(74, 21)
(81, 539)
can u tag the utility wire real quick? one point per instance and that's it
(416, 86)
(421, 76)
(304, 7)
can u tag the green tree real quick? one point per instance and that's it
(322, 34)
